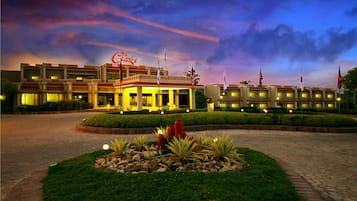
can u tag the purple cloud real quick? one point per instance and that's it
(283, 41)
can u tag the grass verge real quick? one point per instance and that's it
(203, 118)
(77, 179)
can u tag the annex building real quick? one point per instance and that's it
(137, 88)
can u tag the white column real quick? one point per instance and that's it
(171, 99)
(140, 98)
(177, 98)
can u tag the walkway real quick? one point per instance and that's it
(30, 143)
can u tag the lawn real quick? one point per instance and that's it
(78, 179)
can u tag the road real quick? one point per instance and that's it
(28, 142)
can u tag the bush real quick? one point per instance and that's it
(206, 118)
(54, 106)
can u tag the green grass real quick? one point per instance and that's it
(203, 118)
(77, 179)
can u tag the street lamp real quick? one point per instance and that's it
(339, 104)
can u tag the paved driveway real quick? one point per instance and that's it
(327, 161)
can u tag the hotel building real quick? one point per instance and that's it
(290, 97)
(139, 89)
(102, 87)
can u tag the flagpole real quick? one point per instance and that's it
(302, 89)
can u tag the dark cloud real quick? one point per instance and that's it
(283, 41)
(352, 12)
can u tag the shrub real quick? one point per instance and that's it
(224, 148)
(182, 148)
(119, 146)
(203, 141)
(139, 141)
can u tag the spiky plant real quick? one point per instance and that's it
(139, 141)
(182, 149)
(203, 141)
(119, 145)
(224, 148)
(148, 155)
(161, 131)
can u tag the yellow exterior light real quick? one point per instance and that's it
(105, 147)
(338, 99)
(2, 97)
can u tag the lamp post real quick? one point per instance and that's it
(105, 148)
(339, 104)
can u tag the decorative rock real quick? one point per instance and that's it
(100, 161)
(161, 170)
(136, 157)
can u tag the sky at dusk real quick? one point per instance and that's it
(283, 38)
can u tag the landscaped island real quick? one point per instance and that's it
(176, 167)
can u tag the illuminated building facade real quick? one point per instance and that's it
(102, 87)
(290, 97)
(139, 89)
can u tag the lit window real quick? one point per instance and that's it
(234, 94)
(54, 97)
(35, 77)
(290, 105)
(29, 99)
(317, 95)
(263, 94)
(223, 105)
(330, 105)
(235, 105)
(289, 94)
(251, 94)
(54, 77)
(318, 105)
(305, 105)
(330, 96)
(305, 95)
(263, 105)
(79, 78)
(280, 94)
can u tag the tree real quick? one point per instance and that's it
(201, 99)
(350, 93)
(8, 91)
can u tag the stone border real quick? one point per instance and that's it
(131, 131)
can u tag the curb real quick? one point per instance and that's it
(130, 131)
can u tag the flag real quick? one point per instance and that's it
(158, 72)
(339, 79)
(195, 78)
(224, 81)
(301, 82)
(260, 78)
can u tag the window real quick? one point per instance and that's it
(280, 94)
(262, 105)
(35, 77)
(263, 94)
(330, 105)
(234, 94)
(54, 77)
(318, 95)
(289, 94)
(79, 78)
(290, 105)
(305, 95)
(235, 105)
(29, 99)
(305, 105)
(54, 97)
(251, 94)
(330, 96)
(318, 105)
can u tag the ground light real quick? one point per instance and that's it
(290, 111)
(162, 112)
(121, 112)
(188, 110)
(242, 110)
